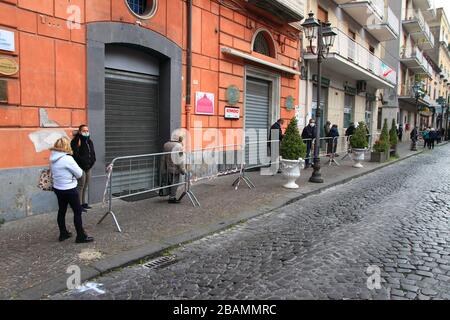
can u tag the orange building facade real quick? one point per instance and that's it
(101, 62)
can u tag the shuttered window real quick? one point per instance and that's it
(131, 128)
(257, 109)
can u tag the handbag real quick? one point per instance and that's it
(45, 180)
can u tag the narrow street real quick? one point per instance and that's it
(396, 219)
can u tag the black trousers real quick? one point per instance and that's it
(308, 153)
(69, 197)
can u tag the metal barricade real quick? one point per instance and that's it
(133, 176)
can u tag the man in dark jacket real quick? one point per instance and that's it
(414, 136)
(400, 132)
(84, 155)
(334, 133)
(350, 130)
(309, 133)
(277, 126)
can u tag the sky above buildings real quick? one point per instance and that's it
(445, 4)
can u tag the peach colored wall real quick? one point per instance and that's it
(52, 59)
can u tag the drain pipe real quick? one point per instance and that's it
(189, 65)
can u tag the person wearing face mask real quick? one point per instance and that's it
(309, 133)
(84, 155)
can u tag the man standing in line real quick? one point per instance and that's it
(309, 133)
(174, 165)
(84, 155)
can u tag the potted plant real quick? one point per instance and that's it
(359, 143)
(393, 139)
(293, 151)
(380, 152)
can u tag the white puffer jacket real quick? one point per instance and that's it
(65, 171)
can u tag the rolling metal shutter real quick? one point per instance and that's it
(257, 109)
(131, 128)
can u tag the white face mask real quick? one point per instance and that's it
(312, 124)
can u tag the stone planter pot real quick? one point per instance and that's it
(379, 156)
(291, 171)
(358, 156)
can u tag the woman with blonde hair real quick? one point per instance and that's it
(65, 172)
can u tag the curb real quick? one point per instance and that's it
(121, 260)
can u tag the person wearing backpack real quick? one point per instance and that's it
(65, 173)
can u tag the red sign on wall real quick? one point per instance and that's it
(232, 113)
(204, 103)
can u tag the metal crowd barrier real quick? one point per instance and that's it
(133, 176)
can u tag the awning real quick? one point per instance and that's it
(249, 57)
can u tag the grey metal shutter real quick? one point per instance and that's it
(257, 108)
(131, 128)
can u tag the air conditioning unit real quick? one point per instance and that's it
(361, 86)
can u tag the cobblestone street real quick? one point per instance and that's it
(396, 218)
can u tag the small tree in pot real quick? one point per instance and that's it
(381, 147)
(393, 138)
(293, 151)
(359, 143)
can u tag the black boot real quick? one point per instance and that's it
(83, 238)
(64, 236)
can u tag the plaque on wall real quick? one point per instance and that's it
(289, 103)
(233, 95)
(8, 67)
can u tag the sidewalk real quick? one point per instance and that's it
(33, 263)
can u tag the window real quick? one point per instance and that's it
(263, 44)
(143, 9)
(379, 118)
(368, 114)
(348, 110)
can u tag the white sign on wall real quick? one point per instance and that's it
(7, 40)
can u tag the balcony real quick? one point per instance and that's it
(389, 29)
(419, 30)
(352, 60)
(407, 95)
(413, 59)
(369, 12)
(288, 11)
(422, 4)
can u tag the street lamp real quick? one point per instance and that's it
(325, 36)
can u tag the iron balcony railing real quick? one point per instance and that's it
(415, 52)
(392, 20)
(378, 5)
(415, 14)
(361, 56)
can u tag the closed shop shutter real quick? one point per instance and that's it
(257, 109)
(131, 128)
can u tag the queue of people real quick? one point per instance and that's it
(309, 134)
(431, 136)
